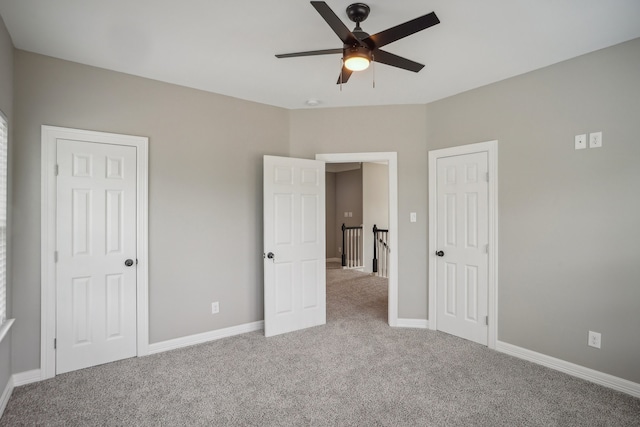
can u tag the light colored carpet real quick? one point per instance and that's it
(354, 371)
(332, 265)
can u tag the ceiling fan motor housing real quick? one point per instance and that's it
(361, 51)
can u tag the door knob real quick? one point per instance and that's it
(440, 253)
(271, 255)
(128, 262)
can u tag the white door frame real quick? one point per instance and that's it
(491, 148)
(391, 158)
(48, 236)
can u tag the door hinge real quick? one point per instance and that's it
(56, 170)
(55, 343)
(486, 320)
(486, 248)
(55, 256)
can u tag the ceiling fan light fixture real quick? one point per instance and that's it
(356, 63)
(357, 58)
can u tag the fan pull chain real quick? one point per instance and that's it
(373, 69)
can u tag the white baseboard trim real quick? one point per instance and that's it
(27, 377)
(579, 371)
(6, 395)
(334, 260)
(16, 380)
(190, 340)
(413, 323)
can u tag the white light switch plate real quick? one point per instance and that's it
(413, 217)
(581, 141)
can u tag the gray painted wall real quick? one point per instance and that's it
(348, 199)
(205, 191)
(375, 205)
(569, 231)
(6, 105)
(330, 215)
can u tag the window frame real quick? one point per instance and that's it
(5, 322)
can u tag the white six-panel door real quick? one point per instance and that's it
(462, 238)
(96, 235)
(294, 235)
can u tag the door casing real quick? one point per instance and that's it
(491, 147)
(391, 158)
(49, 136)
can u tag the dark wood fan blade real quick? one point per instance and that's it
(385, 57)
(403, 30)
(344, 77)
(309, 53)
(334, 22)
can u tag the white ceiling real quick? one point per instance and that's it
(228, 47)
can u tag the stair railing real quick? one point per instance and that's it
(352, 247)
(380, 252)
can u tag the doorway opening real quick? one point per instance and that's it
(390, 160)
(357, 239)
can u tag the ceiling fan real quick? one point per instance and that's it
(359, 48)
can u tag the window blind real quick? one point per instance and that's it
(3, 217)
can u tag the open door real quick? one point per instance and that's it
(294, 244)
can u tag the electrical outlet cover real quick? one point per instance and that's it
(581, 141)
(595, 140)
(595, 339)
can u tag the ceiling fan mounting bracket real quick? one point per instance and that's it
(358, 12)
